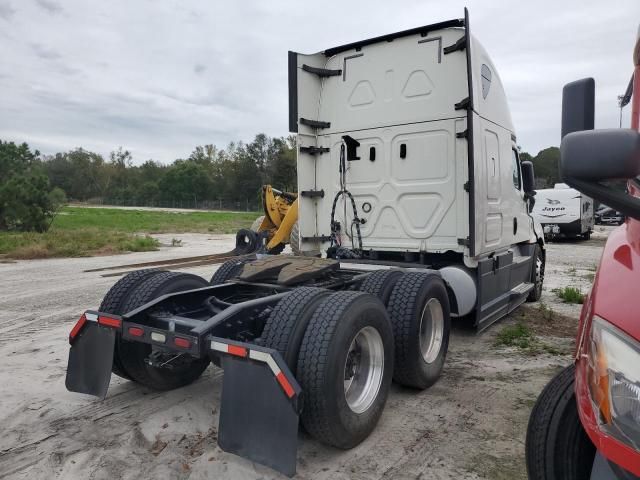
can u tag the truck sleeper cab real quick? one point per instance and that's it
(439, 229)
(407, 154)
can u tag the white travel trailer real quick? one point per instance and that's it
(407, 157)
(564, 211)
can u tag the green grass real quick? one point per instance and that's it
(522, 337)
(74, 218)
(77, 231)
(569, 294)
(518, 335)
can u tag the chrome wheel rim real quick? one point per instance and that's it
(363, 369)
(431, 330)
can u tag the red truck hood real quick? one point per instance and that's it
(616, 289)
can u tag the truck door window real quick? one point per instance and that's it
(517, 183)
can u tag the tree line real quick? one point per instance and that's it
(33, 186)
(209, 173)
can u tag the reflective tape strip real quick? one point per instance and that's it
(266, 358)
(230, 349)
(286, 386)
(259, 356)
(219, 347)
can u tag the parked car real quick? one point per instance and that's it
(610, 216)
(586, 422)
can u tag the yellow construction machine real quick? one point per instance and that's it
(277, 227)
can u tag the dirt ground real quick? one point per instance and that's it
(470, 425)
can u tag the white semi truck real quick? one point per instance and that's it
(564, 211)
(412, 131)
(411, 191)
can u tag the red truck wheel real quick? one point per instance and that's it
(557, 447)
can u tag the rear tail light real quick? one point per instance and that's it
(182, 342)
(136, 331)
(109, 321)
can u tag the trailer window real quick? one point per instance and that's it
(517, 183)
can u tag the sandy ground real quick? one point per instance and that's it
(470, 425)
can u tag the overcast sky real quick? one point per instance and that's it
(160, 77)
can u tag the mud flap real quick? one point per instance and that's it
(90, 360)
(258, 416)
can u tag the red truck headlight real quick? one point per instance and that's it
(614, 382)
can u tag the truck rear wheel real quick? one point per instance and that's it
(420, 316)
(380, 284)
(114, 301)
(180, 371)
(344, 368)
(288, 321)
(557, 447)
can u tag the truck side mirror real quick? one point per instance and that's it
(588, 158)
(528, 178)
(529, 184)
(597, 155)
(578, 106)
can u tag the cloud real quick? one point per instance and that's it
(6, 11)
(161, 80)
(44, 52)
(50, 6)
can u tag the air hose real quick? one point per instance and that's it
(335, 226)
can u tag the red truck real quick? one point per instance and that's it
(586, 422)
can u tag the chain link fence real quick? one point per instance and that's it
(246, 205)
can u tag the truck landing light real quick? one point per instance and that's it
(136, 331)
(77, 328)
(158, 337)
(182, 342)
(109, 321)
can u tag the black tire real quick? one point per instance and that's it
(114, 301)
(557, 447)
(322, 362)
(537, 274)
(133, 355)
(246, 241)
(408, 302)
(380, 284)
(586, 235)
(294, 239)
(229, 269)
(345, 253)
(288, 321)
(277, 250)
